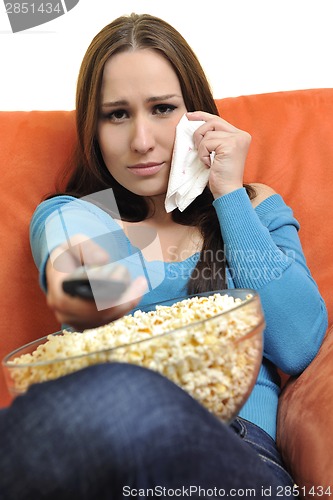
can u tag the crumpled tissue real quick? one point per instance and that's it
(188, 175)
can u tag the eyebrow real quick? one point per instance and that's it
(124, 102)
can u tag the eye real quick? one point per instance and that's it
(116, 116)
(163, 109)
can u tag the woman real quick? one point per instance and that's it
(137, 80)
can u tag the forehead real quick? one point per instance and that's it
(143, 70)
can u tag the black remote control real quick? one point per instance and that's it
(97, 283)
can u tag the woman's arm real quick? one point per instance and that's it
(66, 233)
(263, 252)
(262, 248)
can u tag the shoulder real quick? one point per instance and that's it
(262, 192)
(70, 210)
(48, 206)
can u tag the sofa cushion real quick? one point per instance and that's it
(292, 151)
(34, 146)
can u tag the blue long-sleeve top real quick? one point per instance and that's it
(263, 252)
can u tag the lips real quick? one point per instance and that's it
(144, 169)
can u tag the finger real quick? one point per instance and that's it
(206, 154)
(208, 148)
(213, 122)
(82, 314)
(77, 251)
(131, 297)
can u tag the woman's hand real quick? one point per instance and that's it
(230, 146)
(76, 312)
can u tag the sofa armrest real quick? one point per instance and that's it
(305, 423)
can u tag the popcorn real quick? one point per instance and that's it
(193, 343)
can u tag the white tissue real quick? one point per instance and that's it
(188, 175)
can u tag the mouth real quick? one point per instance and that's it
(144, 169)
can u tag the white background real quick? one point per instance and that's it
(245, 47)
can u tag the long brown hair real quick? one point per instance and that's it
(89, 173)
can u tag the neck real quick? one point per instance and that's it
(157, 212)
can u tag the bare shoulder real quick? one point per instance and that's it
(262, 192)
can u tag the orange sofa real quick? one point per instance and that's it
(291, 150)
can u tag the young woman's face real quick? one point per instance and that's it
(141, 104)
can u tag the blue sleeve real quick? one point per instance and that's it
(56, 220)
(263, 252)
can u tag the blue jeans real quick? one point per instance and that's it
(265, 447)
(110, 430)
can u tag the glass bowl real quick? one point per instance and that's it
(210, 344)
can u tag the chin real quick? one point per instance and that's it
(151, 193)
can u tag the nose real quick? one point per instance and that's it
(143, 139)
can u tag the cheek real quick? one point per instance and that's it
(168, 136)
(110, 148)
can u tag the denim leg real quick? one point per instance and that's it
(266, 448)
(92, 433)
